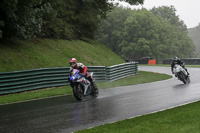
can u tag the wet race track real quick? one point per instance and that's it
(64, 114)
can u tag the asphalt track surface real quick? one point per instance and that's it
(64, 114)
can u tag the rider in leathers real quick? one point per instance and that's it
(178, 61)
(82, 70)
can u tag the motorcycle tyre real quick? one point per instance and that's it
(188, 79)
(183, 78)
(78, 92)
(95, 91)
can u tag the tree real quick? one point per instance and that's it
(169, 13)
(141, 29)
(67, 19)
(111, 31)
(177, 31)
(133, 34)
(21, 18)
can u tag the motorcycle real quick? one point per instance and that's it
(181, 73)
(81, 86)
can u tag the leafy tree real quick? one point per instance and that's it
(21, 18)
(60, 23)
(169, 13)
(133, 34)
(111, 31)
(142, 29)
(67, 19)
(177, 31)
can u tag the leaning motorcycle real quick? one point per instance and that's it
(181, 74)
(81, 86)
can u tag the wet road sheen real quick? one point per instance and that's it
(64, 114)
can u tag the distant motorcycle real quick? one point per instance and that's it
(181, 73)
(82, 86)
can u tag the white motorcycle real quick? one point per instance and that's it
(181, 73)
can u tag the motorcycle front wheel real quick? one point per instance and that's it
(183, 78)
(78, 92)
(188, 79)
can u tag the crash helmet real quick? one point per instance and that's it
(176, 59)
(72, 62)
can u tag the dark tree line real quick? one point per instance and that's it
(158, 33)
(66, 19)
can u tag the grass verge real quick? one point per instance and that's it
(184, 119)
(143, 77)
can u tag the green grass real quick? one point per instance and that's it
(184, 119)
(143, 77)
(197, 66)
(30, 95)
(16, 54)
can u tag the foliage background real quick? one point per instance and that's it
(132, 34)
(158, 33)
(66, 19)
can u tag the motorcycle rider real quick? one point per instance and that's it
(83, 70)
(178, 61)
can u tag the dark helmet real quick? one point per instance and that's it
(176, 58)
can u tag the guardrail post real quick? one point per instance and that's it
(107, 73)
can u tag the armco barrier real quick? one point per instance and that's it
(120, 71)
(19, 81)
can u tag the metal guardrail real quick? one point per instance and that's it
(19, 81)
(120, 71)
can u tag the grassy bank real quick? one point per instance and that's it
(143, 77)
(16, 54)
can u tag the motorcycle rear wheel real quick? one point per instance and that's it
(95, 91)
